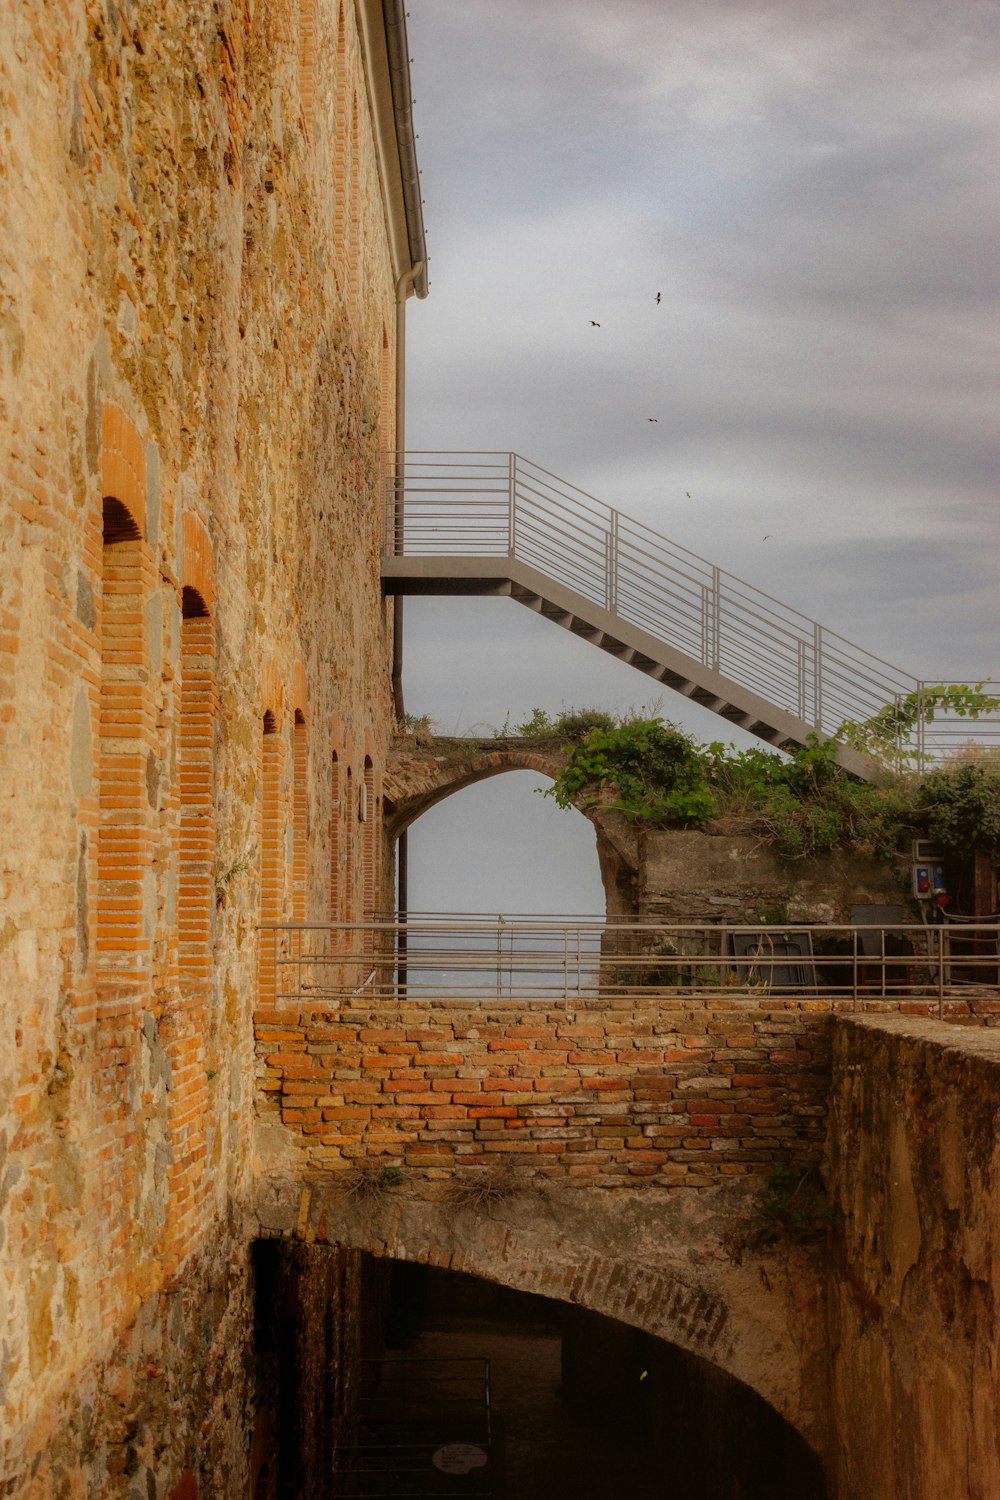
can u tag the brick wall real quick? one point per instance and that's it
(681, 1093)
(192, 378)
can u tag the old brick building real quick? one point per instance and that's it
(209, 226)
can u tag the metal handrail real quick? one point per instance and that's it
(498, 504)
(473, 959)
(501, 504)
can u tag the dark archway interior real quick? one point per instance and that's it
(373, 1376)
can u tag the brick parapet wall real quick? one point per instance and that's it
(680, 1092)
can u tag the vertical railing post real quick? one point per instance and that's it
(854, 967)
(921, 731)
(940, 933)
(511, 504)
(800, 672)
(611, 564)
(817, 676)
(716, 618)
(398, 492)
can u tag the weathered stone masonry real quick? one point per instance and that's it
(200, 244)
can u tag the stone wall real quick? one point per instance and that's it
(196, 377)
(686, 875)
(914, 1170)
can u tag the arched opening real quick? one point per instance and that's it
(127, 772)
(501, 846)
(350, 835)
(367, 816)
(387, 402)
(195, 779)
(336, 841)
(449, 1381)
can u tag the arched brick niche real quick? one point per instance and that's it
(125, 843)
(300, 817)
(335, 897)
(270, 830)
(196, 762)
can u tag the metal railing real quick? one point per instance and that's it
(500, 960)
(944, 734)
(488, 505)
(502, 505)
(423, 1423)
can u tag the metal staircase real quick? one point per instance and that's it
(494, 523)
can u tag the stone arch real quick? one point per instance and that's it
(649, 1263)
(422, 773)
(418, 776)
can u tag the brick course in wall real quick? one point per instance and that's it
(678, 1092)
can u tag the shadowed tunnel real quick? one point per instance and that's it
(404, 1380)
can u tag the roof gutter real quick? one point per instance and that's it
(394, 18)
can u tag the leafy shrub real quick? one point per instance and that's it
(569, 727)
(653, 771)
(805, 804)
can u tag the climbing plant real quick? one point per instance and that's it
(805, 804)
(647, 769)
(887, 736)
(791, 1207)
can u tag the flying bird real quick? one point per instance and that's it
(652, 419)
(688, 493)
(593, 324)
(769, 536)
(658, 299)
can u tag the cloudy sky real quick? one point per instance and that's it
(812, 188)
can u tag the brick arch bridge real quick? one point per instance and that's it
(423, 771)
(653, 1265)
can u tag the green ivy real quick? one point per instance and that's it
(886, 737)
(653, 772)
(806, 805)
(569, 727)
